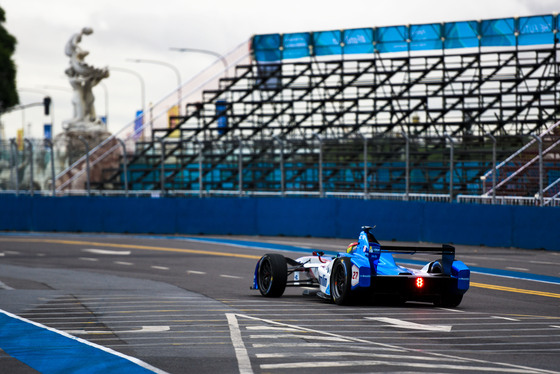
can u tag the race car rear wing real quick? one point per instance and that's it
(369, 244)
(447, 253)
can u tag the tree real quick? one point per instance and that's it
(8, 92)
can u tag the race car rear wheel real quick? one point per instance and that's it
(341, 281)
(450, 300)
(272, 275)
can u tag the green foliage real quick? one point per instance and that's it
(8, 91)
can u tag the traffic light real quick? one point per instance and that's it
(47, 105)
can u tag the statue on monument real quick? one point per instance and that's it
(83, 78)
(85, 126)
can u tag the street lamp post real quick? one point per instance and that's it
(172, 67)
(204, 51)
(142, 87)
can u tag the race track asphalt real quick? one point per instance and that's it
(183, 304)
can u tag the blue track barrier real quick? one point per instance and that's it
(490, 225)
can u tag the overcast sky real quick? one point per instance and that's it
(147, 29)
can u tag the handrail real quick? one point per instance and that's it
(517, 153)
(236, 53)
(545, 132)
(527, 164)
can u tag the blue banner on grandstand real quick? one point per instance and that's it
(392, 39)
(296, 45)
(503, 32)
(327, 43)
(267, 47)
(461, 34)
(498, 32)
(357, 41)
(536, 30)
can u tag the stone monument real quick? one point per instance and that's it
(85, 124)
(83, 78)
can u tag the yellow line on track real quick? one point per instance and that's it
(131, 246)
(516, 290)
(239, 255)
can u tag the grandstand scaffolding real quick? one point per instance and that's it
(424, 114)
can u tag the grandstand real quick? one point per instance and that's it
(432, 111)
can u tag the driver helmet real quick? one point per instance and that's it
(351, 247)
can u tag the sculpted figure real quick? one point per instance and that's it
(83, 78)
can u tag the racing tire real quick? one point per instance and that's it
(451, 300)
(341, 281)
(272, 275)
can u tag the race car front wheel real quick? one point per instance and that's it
(272, 275)
(341, 281)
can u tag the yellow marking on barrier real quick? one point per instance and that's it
(131, 246)
(516, 290)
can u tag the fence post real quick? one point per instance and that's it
(125, 162)
(162, 167)
(31, 182)
(541, 197)
(13, 153)
(282, 180)
(200, 155)
(407, 161)
(365, 165)
(494, 176)
(321, 191)
(240, 165)
(53, 177)
(450, 166)
(83, 140)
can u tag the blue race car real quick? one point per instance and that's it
(367, 272)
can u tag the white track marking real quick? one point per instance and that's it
(4, 286)
(159, 267)
(506, 318)
(502, 367)
(418, 365)
(243, 360)
(106, 252)
(124, 263)
(89, 259)
(230, 276)
(100, 332)
(411, 325)
(268, 328)
(196, 272)
(518, 269)
(294, 336)
(348, 354)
